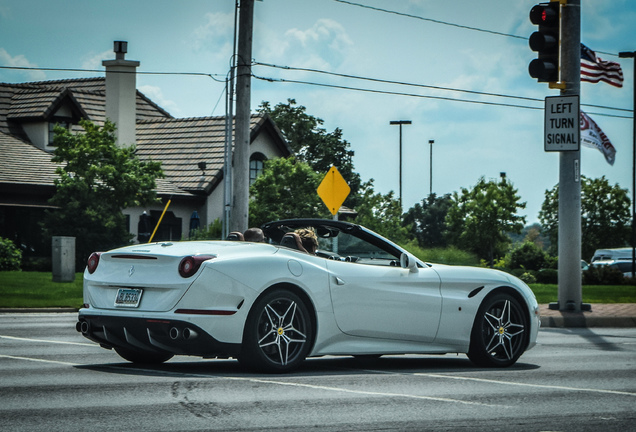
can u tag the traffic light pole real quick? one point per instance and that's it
(570, 292)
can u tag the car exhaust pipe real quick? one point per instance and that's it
(174, 333)
(82, 326)
(189, 334)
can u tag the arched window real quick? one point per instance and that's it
(257, 162)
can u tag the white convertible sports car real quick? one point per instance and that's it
(272, 304)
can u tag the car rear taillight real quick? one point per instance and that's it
(93, 261)
(190, 264)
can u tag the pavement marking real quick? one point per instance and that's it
(511, 383)
(310, 386)
(47, 341)
(39, 360)
(363, 392)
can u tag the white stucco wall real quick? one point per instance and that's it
(215, 203)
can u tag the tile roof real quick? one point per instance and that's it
(180, 144)
(23, 163)
(36, 100)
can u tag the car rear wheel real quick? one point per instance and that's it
(143, 357)
(500, 332)
(278, 333)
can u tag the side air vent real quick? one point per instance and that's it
(474, 292)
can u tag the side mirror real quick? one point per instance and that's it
(407, 261)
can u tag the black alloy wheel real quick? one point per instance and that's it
(278, 333)
(500, 332)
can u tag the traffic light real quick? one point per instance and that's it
(545, 41)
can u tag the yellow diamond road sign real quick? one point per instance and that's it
(333, 190)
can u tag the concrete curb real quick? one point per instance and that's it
(582, 321)
(38, 310)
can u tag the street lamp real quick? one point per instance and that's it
(400, 123)
(431, 176)
(632, 54)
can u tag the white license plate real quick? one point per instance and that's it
(128, 297)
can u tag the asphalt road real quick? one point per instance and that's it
(52, 379)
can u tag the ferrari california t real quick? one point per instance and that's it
(312, 288)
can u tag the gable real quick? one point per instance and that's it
(182, 144)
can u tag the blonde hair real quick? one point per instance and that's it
(308, 238)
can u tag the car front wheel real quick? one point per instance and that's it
(499, 334)
(278, 333)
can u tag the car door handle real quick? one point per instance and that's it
(339, 281)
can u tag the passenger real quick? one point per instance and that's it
(254, 235)
(308, 238)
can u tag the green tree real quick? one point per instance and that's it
(313, 145)
(381, 213)
(480, 218)
(286, 189)
(427, 221)
(605, 216)
(97, 181)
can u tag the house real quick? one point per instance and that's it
(191, 151)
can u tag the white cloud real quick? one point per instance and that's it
(324, 45)
(21, 61)
(156, 95)
(215, 34)
(94, 61)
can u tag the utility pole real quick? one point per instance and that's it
(400, 123)
(431, 142)
(570, 293)
(627, 54)
(241, 178)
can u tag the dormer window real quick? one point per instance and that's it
(60, 122)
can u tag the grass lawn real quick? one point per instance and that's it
(37, 290)
(547, 293)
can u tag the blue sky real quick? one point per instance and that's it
(471, 139)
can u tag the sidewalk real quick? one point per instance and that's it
(601, 315)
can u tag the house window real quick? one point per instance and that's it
(63, 123)
(257, 162)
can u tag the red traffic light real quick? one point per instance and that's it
(545, 41)
(545, 14)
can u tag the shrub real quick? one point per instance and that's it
(211, 232)
(528, 278)
(10, 255)
(449, 255)
(528, 256)
(603, 275)
(548, 276)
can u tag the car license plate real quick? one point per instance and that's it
(128, 297)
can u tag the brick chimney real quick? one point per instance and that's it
(121, 94)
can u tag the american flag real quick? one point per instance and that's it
(593, 69)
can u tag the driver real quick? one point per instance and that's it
(308, 238)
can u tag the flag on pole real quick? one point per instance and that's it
(593, 69)
(592, 136)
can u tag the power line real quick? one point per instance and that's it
(394, 93)
(431, 20)
(213, 76)
(465, 27)
(387, 92)
(401, 83)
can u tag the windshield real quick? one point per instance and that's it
(345, 246)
